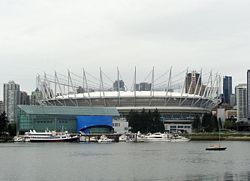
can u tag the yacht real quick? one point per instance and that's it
(105, 139)
(178, 138)
(49, 136)
(18, 139)
(158, 137)
(216, 148)
(123, 138)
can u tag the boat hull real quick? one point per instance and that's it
(216, 149)
(72, 139)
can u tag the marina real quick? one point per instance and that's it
(53, 136)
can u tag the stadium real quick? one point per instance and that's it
(176, 95)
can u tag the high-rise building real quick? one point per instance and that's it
(11, 100)
(80, 90)
(145, 86)
(1, 107)
(36, 96)
(193, 83)
(232, 100)
(241, 97)
(248, 95)
(24, 98)
(119, 85)
(227, 89)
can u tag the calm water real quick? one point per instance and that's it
(123, 161)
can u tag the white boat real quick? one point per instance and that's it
(49, 136)
(140, 138)
(85, 138)
(137, 138)
(158, 137)
(19, 139)
(123, 138)
(93, 139)
(105, 139)
(178, 138)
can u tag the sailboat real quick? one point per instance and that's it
(216, 147)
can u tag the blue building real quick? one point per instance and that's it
(94, 124)
(66, 118)
(227, 89)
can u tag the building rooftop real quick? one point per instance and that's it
(69, 110)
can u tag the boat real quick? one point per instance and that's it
(123, 138)
(216, 148)
(158, 137)
(105, 139)
(137, 137)
(19, 139)
(50, 136)
(93, 139)
(85, 138)
(178, 138)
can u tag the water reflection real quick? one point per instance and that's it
(128, 162)
(230, 176)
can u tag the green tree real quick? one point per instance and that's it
(157, 124)
(209, 122)
(3, 123)
(145, 122)
(12, 129)
(229, 124)
(196, 123)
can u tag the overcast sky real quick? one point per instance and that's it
(47, 35)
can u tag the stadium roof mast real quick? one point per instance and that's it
(152, 87)
(102, 88)
(135, 87)
(183, 87)
(118, 78)
(196, 87)
(169, 86)
(60, 88)
(198, 84)
(211, 90)
(44, 88)
(70, 84)
(87, 87)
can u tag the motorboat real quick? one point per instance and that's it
(85, 138)
(19, 139)
(178, 138)
(140, 138)
(49, 136)
(158, 137)
(123, 138)
(216, 148)
(105, 139)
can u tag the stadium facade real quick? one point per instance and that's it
(177, 96)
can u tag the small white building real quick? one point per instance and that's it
(120, 125)
(174, 126)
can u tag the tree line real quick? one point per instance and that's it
(208, 123)
(6, 128)
(145, 122)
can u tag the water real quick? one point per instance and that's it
(123, 161)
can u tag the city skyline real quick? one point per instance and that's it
(44, 36)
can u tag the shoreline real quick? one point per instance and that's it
(215, 137)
